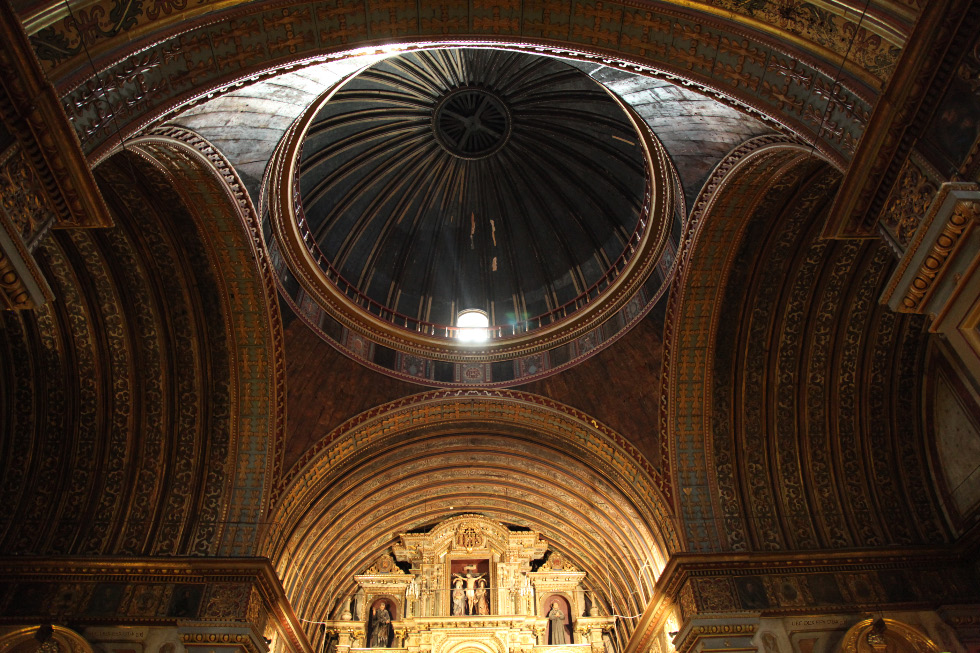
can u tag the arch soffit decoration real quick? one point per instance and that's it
(718, 219)
(224, 214)
(781, 78)
(409, 487)
(408, 435)
(333, 454)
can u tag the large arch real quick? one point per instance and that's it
(782, 371)
(143, 406)
(516, 458)
(819, 84)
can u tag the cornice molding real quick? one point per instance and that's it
(257, 571)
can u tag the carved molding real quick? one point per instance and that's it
(940, 35)
(22, 284)
(31, 109)
(908, 203)
(952, 216)
(151, 584)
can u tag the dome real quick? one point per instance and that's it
(442, 183)
(445, 180)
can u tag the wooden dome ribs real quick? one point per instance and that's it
(359, 179)
(388, 149)
(544, 280)
(377, 220)
(599, 197)
(534, 74)
(433, 168)
(433, 68)
(548, 203)
(395, 81)
(586, 158)
(381, 117)
(515, 279)
(368, 188)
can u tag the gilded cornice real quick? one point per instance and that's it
(942, 233)
(137, 570)
(856, 564)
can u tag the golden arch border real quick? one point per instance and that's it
(855, 639)
(22, 639)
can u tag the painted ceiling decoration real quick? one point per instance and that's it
(751, 55)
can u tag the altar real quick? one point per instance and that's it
(471, 585)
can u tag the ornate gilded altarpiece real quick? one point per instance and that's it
(420, 600)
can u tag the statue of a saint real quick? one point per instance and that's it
(482, 600)
(381, 627)
(459, 598)
(556, 626)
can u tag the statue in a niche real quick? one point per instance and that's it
(482, 601)
(556, 626)
(459, 598)
(470, 580)
(381, 627)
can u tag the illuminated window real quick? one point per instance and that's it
(472, 324)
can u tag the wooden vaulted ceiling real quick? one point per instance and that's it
(120, 397)
(156, 407)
